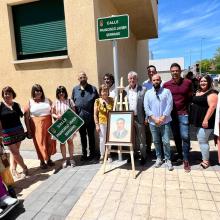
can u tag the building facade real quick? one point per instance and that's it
(50, 41)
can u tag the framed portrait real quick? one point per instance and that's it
(120, 127)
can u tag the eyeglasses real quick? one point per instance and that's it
(38, 91)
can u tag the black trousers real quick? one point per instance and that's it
(88, 129)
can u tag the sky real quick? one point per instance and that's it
(187, 28)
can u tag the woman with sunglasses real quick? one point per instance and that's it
(39, 111)
(12, 130)
(61, 104)
(101, 108)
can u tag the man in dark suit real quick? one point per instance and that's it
(121, 131)
(84, 96)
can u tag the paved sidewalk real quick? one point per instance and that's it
(84, 193)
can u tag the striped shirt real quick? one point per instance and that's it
(61, 106)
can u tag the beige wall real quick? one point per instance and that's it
(84, 50)
(81, 48)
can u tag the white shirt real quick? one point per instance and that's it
(38, 109)
(112, 91)
(132, 99)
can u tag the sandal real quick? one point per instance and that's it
(25, 171)
(15, 174)
(204, 164)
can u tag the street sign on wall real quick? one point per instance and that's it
(65, 127)
(112, 28)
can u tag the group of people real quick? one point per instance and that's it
(161, 107)
(158, 107)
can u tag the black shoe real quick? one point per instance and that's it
(91, 157)
(177, 161)
(43, 165)
(50, 163)
(142, 161)
(83, 158)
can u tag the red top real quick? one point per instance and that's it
(182, 93)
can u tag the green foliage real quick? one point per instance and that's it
(205, 65)
(211, 65)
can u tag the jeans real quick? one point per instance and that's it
(203, 139)
(180, 130)
(163, 132)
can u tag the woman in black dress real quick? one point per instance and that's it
(12, 130)
(203, 115)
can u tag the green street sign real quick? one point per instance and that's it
(65, 127)
(112, 28)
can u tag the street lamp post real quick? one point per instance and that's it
(200, 66)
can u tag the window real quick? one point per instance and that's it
(39, 29)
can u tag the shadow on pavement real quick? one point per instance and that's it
(18, 210)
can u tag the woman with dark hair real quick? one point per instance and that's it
(39, 112)
(102, 106)
(61, 104)
(203, 115)
(12, 129)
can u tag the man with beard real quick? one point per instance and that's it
(158, 104)
(181, 90)
(84, 96)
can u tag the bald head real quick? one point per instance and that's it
(82, 78)
(156, 80)
(156, 76)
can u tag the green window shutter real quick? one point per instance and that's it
(40, 29)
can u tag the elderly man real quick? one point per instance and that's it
(135, 94)
(158, 104)
(84, 96)
(181, 90)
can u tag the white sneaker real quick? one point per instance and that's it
(72, 163)
(1, 210)
(101, 159)
(158, 163)
(64, 164)
(169, 165)
(110, 160)
(8, 200)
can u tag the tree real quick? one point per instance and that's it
(217, 56)
(205, 65)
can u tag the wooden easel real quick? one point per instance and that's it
(120, 105)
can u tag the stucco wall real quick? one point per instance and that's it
(80, 26)
(128, 49)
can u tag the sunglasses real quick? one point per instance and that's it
(82, 93)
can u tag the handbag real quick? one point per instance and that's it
(4, 158)
(5, 172)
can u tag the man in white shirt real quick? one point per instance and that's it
(135, 94)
